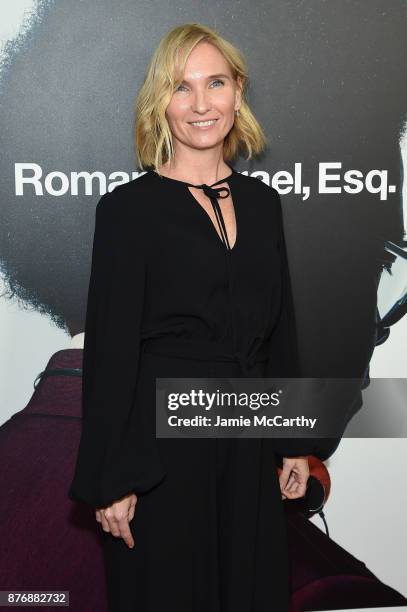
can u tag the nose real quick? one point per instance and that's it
(200, 102)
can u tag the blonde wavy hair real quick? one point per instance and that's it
(153, 137)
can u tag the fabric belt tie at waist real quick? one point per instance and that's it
(202, 350)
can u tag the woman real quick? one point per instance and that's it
(189, 278)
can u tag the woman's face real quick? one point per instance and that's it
(207, 92)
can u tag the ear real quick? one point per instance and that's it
(238, 93)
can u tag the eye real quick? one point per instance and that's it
(219, 81)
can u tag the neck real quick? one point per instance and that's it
(196, 171)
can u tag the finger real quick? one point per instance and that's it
(299, 492)
(291, 481)
(114, 526)
(291, 491)
(296, 485)
(302, 489)
(125, 533)
(301, 471)
(98, 516)
(132, 507)
(105, 524)
(302, 478)
(291, 484)
(112, 519)
(131, 512)
(284, 476)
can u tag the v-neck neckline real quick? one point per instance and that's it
(226, 179)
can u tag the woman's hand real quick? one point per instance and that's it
(293, 477)
(116, 518)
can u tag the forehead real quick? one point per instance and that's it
(205, 60)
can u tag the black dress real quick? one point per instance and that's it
(168, 298)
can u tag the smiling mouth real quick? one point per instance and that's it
(206, 123)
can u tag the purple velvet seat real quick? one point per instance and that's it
(324, 576)
(47, 540)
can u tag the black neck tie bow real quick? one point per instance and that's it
(213, 194)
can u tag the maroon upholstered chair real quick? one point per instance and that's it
(50, 542)
(324, 576)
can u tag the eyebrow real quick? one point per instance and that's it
(213, 76)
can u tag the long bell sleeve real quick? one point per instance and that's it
(284, 358)
(116, 453)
